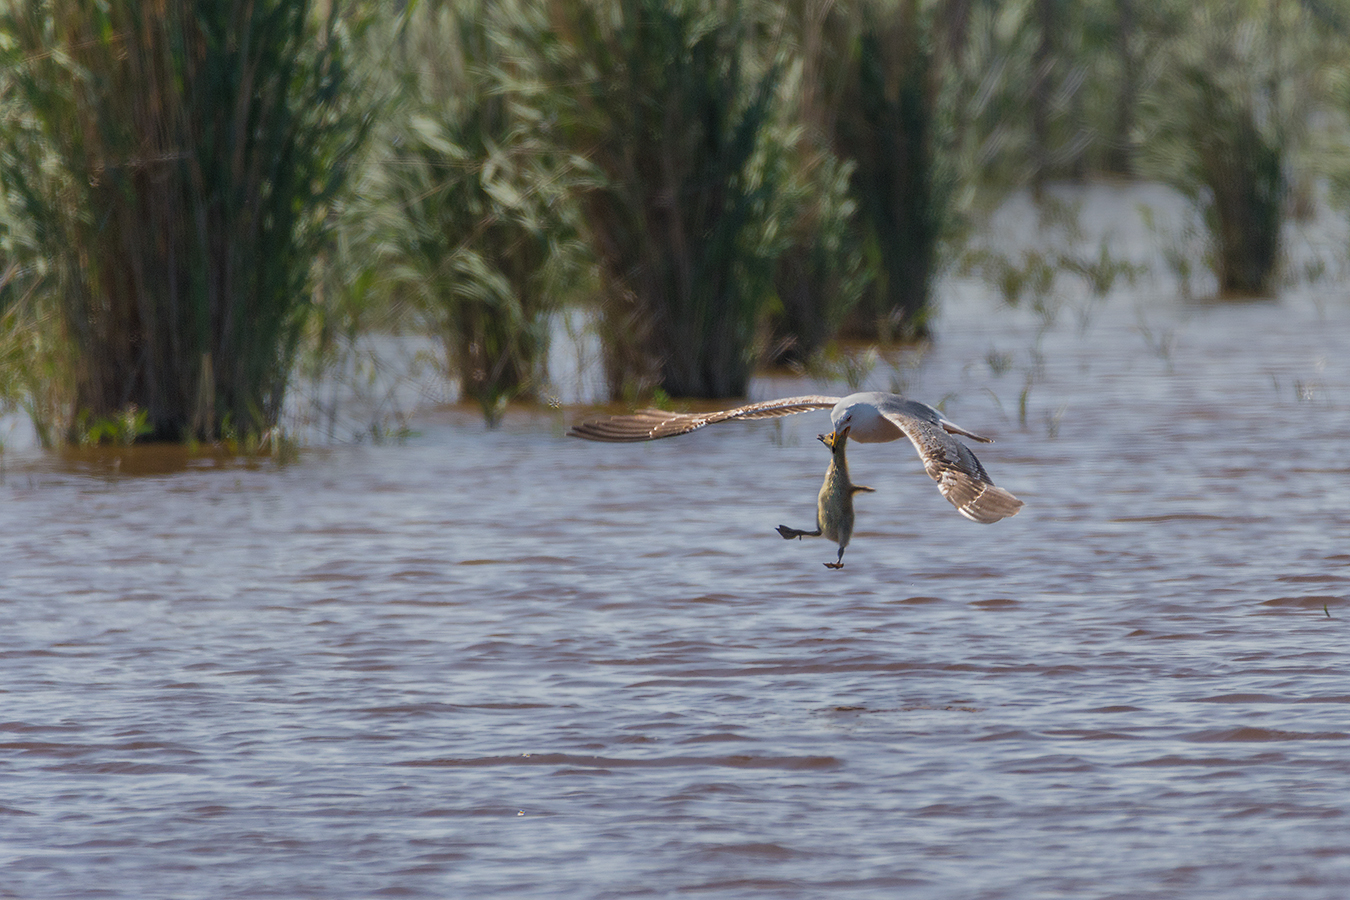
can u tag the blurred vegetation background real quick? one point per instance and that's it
(202, 201)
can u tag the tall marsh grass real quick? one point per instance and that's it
(889, 126)
(823, 272)
(1241, 85)
(175, 162)
(873, 94)
(668, 107)
(480, 230)
(34, 362)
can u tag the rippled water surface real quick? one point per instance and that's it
(512, 664)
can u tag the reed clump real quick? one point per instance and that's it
(823, 271)
(889, 126)
(1244, 174)
(1241, 85)
(669, 106)
(877, 99)
(174, 163)
(1232, 169)
(34, 362)
(481, 233)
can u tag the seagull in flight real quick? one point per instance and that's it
(870, 417)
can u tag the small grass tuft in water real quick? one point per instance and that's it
(121, 430)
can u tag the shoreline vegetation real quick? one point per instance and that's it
(207, 205)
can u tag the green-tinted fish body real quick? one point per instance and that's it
(834, 504)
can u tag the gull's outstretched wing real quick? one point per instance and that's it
(650, 424)
(959, 475)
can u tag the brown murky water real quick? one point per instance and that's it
(490, 664)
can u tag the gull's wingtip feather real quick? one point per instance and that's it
(981, 502)
(651, 424)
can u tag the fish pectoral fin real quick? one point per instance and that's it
(790, 533)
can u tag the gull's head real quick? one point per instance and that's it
(862, 414)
